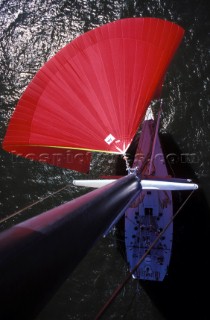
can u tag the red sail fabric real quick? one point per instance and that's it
(93, 94)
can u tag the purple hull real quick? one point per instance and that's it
(150, 213)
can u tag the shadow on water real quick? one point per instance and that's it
(182, 293)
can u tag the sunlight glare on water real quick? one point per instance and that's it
(31, 32)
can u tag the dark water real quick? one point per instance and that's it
(33, 31)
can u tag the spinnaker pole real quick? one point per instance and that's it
(37, 255)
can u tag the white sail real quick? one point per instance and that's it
(93, 183)
(167, 185)
(146, 184)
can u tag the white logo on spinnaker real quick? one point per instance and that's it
(109, 139)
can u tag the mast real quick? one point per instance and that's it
(37, 255)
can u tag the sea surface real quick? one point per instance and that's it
(31, 32)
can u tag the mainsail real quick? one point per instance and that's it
(93, 94)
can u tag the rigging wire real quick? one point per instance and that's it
(121, 286)
(155, 138)
(32, 204)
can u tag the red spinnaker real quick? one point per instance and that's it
(93, 94)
